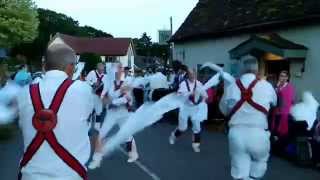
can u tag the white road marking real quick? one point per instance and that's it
(142, 167)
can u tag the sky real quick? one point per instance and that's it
(124, 18)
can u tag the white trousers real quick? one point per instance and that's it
(98, 107)
(197, 114)
(249, 150)
(117, 116)
(27, 176)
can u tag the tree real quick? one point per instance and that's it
(145, 47)
(91, 61)
(145, 41)
(160, 51)
(51, 23)
(18, 22)
(88, 31)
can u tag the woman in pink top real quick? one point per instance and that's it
(280, 119)
(286, 96)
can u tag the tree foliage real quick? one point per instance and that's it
(88, 31)
(18, 22)
(51, 23)
(91, 61)
(145, 47)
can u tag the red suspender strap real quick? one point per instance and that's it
(246, 96)
(99, 78)
(254, 104)
(116, 86)
(191, 97)
(99, 83)
(36, 97)
(59, 96)
(188, 86)
(97, 75)
(67, 157)
(44, 121)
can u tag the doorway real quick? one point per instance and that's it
(273, 69)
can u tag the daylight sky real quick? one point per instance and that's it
(124, 18)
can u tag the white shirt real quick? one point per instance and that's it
(71, 130)
(129, 80)
(184, 91)
(115, 94)
(171, 78)
(139, 82)
(92, 77)
(263, 94)
(158, 81)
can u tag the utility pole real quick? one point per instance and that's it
(171, 45)
(171, 26)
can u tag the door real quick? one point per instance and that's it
(273, 69)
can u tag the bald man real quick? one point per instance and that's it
(195, 109)
(247, 102)
(53, 116)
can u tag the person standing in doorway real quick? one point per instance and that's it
(281, 115)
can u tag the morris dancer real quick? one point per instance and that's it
(96, 79)
(194, 108)
(247, 102)
(53, 116)
(119, 102)
(159, 86)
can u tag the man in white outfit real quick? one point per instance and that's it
(96, 79)
(129, 78)
(119, 104)
(247, 102)
(53, 116)
(159, 86)
(195, 108)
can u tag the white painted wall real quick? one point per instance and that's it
(217, 51)
(124, 60)
(131, 56)
(309, 37)
(199, 52)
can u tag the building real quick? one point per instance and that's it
(164, 36)
(110, 49)
(282, 34)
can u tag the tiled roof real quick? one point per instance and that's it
(99, 46)
(216, 18)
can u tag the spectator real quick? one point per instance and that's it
(280, 118)
(23, 77)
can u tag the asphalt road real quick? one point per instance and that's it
(161, 161)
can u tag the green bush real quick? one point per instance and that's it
(13, 63)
